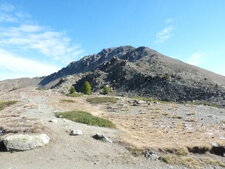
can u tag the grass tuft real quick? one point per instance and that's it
(181, 160)
(99, 100)
(135, 151)
(75, 95)
(67, 101)
(86, 118)
(4, 104)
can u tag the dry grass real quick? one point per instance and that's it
(135, 151)
(180, 151)
(21, 125)
(4, 104)
(191, 162)
(181, 160)
(212, 162)
(162, 130)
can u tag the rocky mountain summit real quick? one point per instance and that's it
(141, 72)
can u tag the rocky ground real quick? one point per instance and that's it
(165, 128)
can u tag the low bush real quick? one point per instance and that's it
(106, 90)
(72, 90)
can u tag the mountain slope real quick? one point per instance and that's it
(88, 63)
(142, 71)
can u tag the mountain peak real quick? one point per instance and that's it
(142, 71)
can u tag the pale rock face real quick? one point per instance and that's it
(23, 142)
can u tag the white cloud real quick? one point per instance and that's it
(14, 66)
(164, 34)
(56, 45)
(196, 58)
(19, 33)
(27, 36)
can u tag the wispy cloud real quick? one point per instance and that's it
(18, 32)
(9, 14)
(55, 45)
(165, 34)
(196, 58)
(16, 66)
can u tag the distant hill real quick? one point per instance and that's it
(13, 84)
(143, 72)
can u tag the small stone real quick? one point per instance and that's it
(151, 155)
(138, 102)
(102, 138)
(53, 120)
(76, 132)
(214, 144)
(141, 102)
(2, 132)
(222, 138)
(65, 120)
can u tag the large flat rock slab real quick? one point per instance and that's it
(23, 142)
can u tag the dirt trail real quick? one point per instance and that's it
(65, 151)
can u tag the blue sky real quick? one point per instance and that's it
(38, 37)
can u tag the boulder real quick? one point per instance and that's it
(23, 142)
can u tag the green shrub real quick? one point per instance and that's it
(106, 90)
(72, 90)
(86, 118)
(86, 88)
(98, 100)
